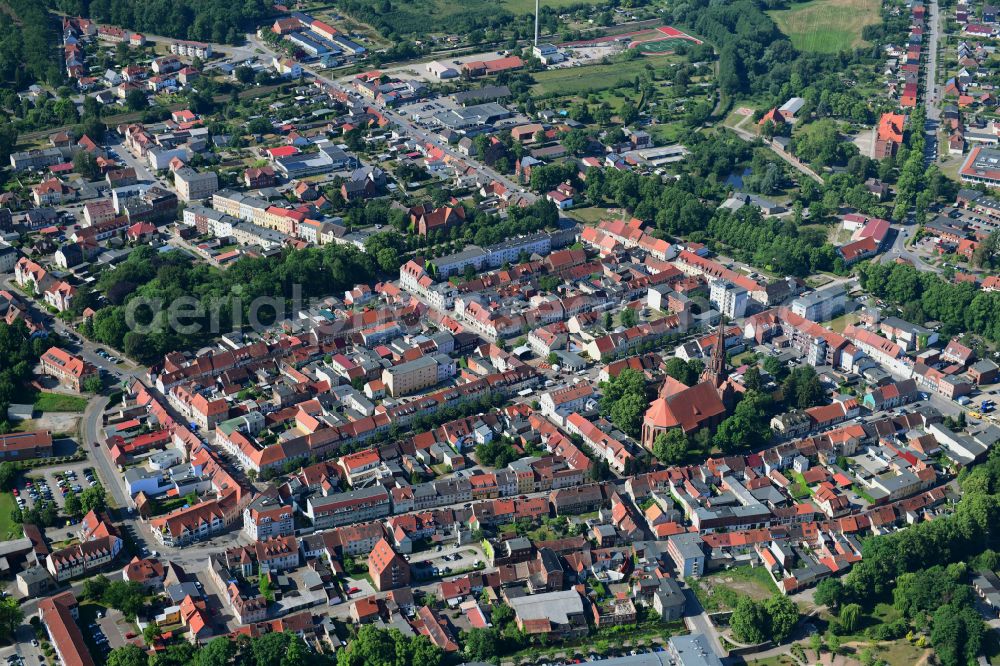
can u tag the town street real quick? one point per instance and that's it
(932, 102)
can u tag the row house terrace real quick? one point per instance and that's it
(602, 440)
(264, 557)
(177, 368)
(186, 526)
(83, 558)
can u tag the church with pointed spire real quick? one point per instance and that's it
(691, 408)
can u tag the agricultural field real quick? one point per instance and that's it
(421, 18)
(827, 26)
(528, 6)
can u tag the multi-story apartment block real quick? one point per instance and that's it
(411, 376)
(266, 517)
(192, 185)
(731, 299)
(345, 508)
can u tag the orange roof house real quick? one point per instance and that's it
(774, 116)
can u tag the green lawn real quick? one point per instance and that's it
(754, 574)
(799, 489)
(780, 660)
(589, 78)
(666, 132)
(58, 402)
(591, 214)
(8, 528)
(841, 322)
(827, 26)
(162, 506)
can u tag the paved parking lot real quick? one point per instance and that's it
(449, 559)
(30, 654)
(105, 633)
(48, 475)
(115, 627)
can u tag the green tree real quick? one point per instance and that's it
(265, 587)
(219, 652)
(127, 655)
(93, 384)
(747, 427)
(671, 447)
(388, 259)
(802, 387)
(502, 615)
(296, 654)
(135, 100)
(270, 649)
(752, 379)
(774, 367)
(686, 372)
(73, 506)
(783, 615)
(244, 74)
(129, 597)
(749, 621)
(482, 644)
(627, 382)
(179, 653)
(850, 618)
(377, 647)
(957, 635)
(94, 498)
(8, 141)
(829, 592)
(95, 587)
(85, 164)
(629, 113)
(575, 141)
(627, 413)
(8, 476)
(11, 617)
(151, 633)
(628, 317)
